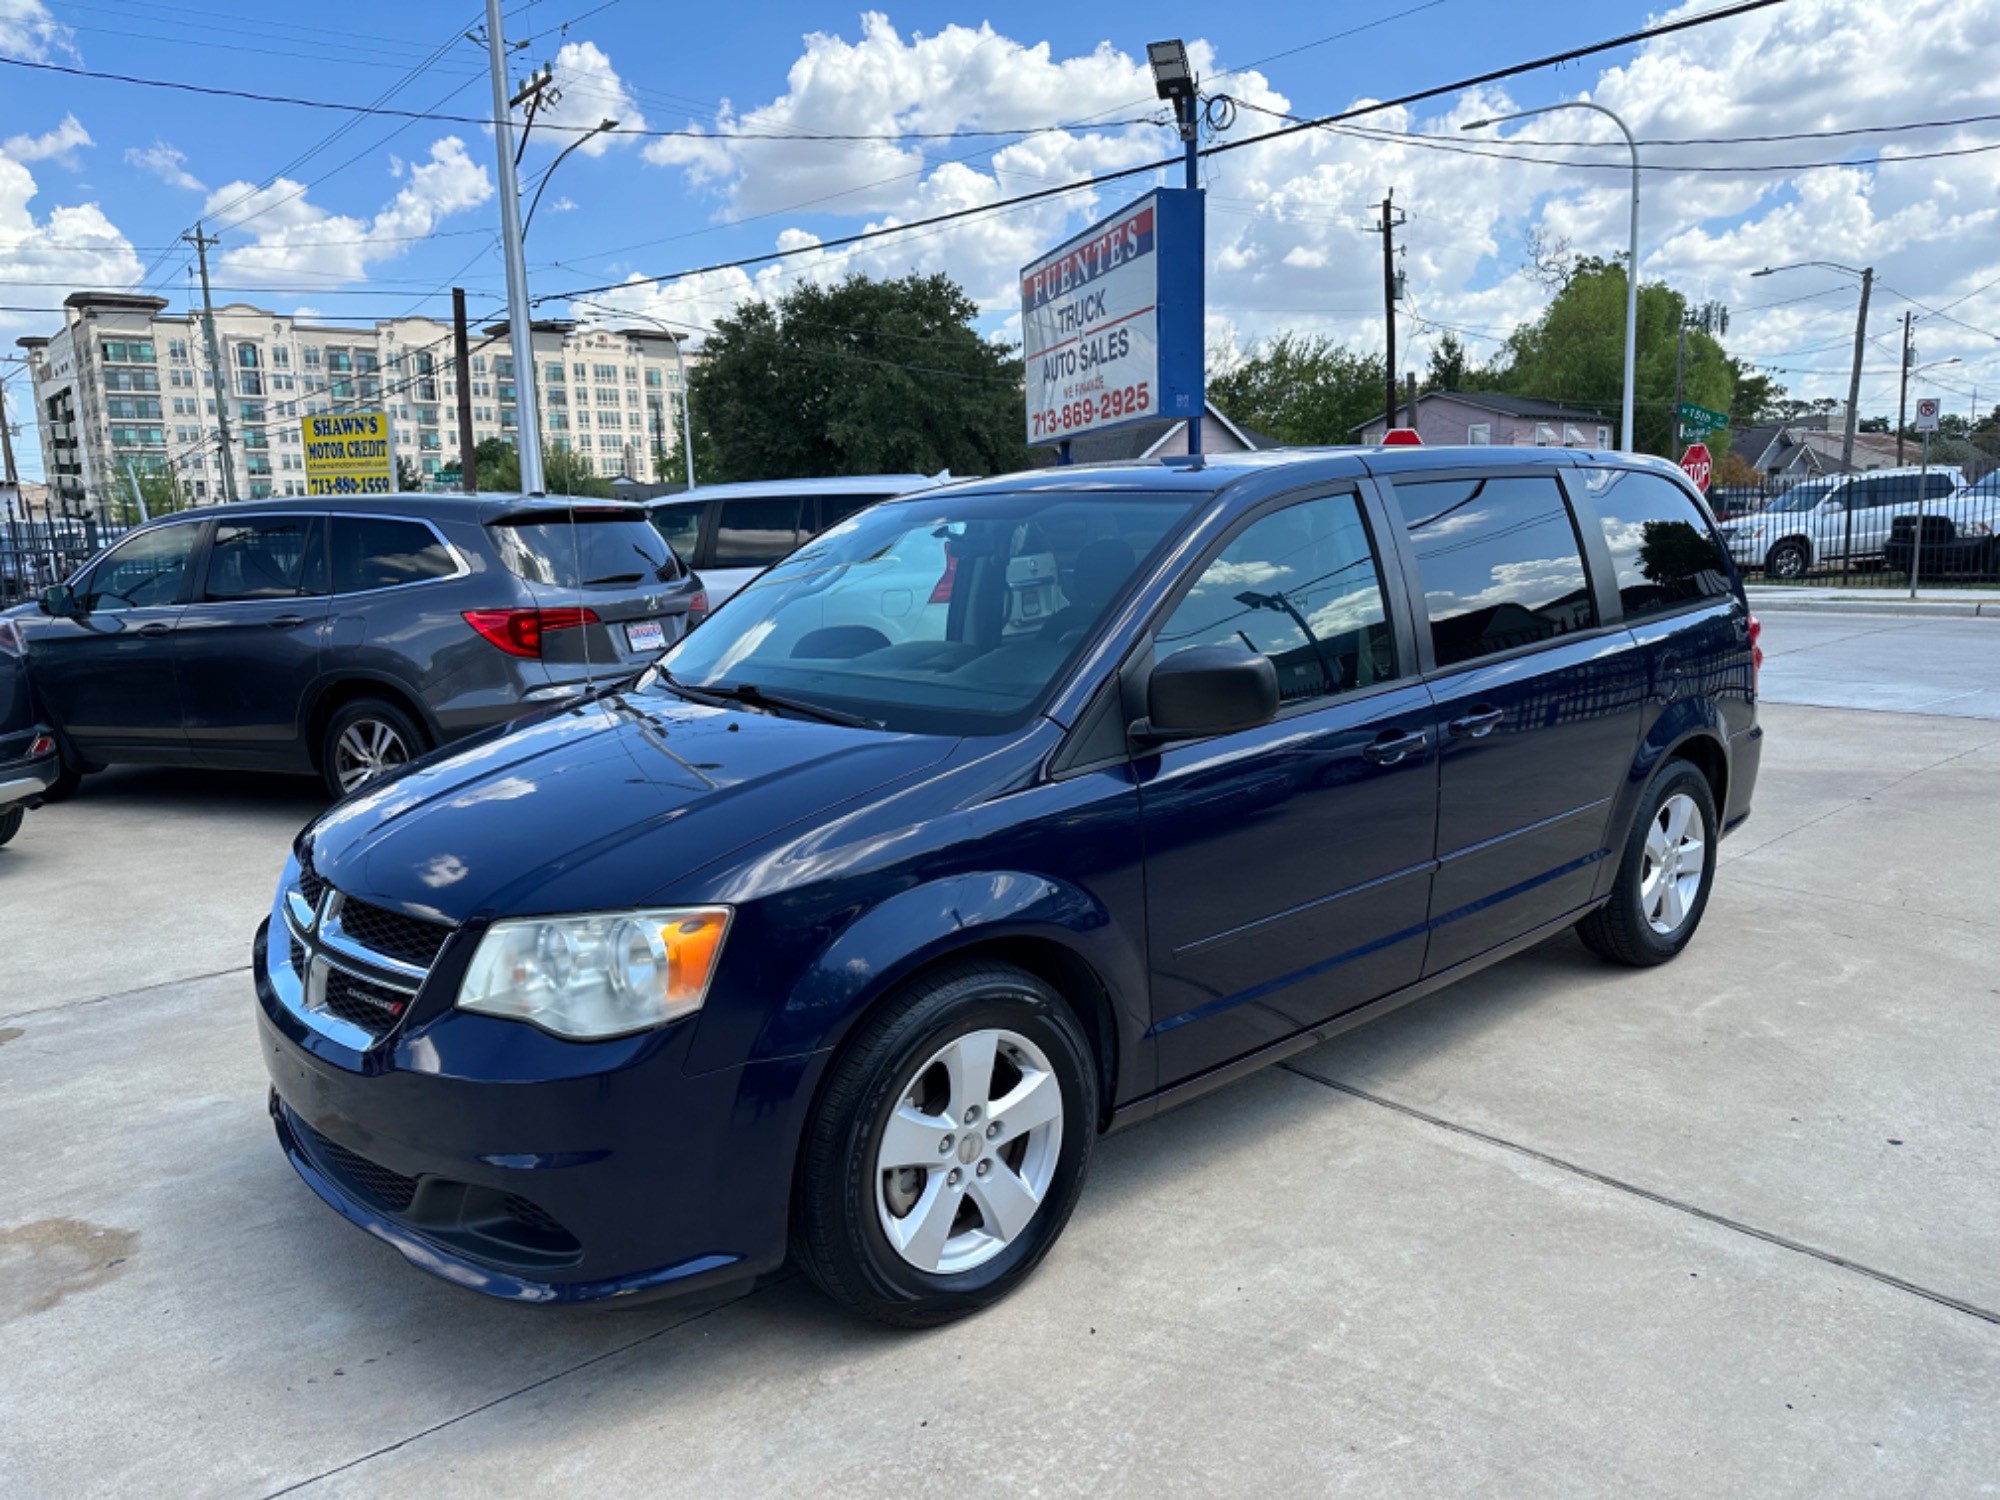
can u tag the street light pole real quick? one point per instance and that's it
(520, 329)
(1631, 259)
(598, 129)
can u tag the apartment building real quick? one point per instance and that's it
(126, 388)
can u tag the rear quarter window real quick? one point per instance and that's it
(1662, 551)
(375, 552)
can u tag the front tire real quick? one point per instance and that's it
(1665, 876)
(948, 1148)
(365, 739)
(1787, 560)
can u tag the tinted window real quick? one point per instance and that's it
(680, 527)
(1301, 586)
(587, 550)
(372, 553)
(142, 570)
(1661, 548)
(955, 615)
(262, 559)
(833, 509)
(756, 533)
(1499, 563)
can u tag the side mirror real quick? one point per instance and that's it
(1207, 690)
(59, 601)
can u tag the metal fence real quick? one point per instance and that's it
(37, 553)
(1891, 529)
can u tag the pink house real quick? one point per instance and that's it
(1489, 417)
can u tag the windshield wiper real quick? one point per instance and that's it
(756, 697)
(591, 583)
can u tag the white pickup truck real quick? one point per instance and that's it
(1961, 534)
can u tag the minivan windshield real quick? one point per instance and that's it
(948, 614)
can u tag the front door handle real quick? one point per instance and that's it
(1477, 724)
(1393, 745)
(287, 622)
(154, 627)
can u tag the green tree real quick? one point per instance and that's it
(564, 473)
(156, 486)
(1450, 369)
(409, 478)
(1575, 353)
(497, 465)
(860, 377)
(1301, 389)
(670, 466)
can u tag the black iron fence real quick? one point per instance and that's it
(36, 553)
(1938, 527)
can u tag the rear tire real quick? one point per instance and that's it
(10, 821)
(948, 1147)
(1657, 900)
(366, 739)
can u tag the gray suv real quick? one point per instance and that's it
(341, 638)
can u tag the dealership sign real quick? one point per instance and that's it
(349, 454)
(1111, 322)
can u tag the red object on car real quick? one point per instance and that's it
(519, 632)
(697, 608)
(942, 593)
(1402, 437)
(1756, 651)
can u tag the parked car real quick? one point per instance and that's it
(29, 765)
(1959, 534)
(730, 533)
(1844, 516)
(1732, 503)
(855, 953)
(343, 638)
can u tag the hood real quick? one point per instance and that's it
(596, 807)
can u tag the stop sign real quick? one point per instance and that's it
(1402, 437)
(1696, 464)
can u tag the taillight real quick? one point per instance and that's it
(942, 593)
(1756, 651)
(519, 632)
(45, 744)
(697, 608)
(10, 639)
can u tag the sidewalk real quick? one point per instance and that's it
(1951, 603)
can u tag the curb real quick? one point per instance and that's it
(1782, 602)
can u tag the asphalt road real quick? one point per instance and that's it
(1725, 1227)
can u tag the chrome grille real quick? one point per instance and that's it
(354, 966)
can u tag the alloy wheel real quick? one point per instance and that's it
(1676, 860)
(969, 1151)
(366, 749)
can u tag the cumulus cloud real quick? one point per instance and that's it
(166, 163)
(1289, 242)
(294, 236)
(58, 145)
(590, 91)
(28, 30)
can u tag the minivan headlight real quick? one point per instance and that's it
(596, 976)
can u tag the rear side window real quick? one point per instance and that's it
(680, 527)
(271, 557)
(756, 533)
(1300, 586)
(1662, 551)
(1499, 563)
(371, 552)
(586, 549)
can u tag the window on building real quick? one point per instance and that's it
(1479, 433)
(652, 380)
(1545, 435)
(249, 383)
(310, 355)
(281, 357)
(631, 374)
(1604, 437)
(366, 362)
(553, 372)
(582, 371)
(246, 357)
(1499, 561)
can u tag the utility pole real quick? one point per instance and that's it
(1680, 372)
(7, 441)
(1903, 396)
(1410, 397)
(461, 358)
(1387, 229)
(201, 242)
(520, 329)
(1854, 380)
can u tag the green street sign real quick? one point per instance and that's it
(1701, 416)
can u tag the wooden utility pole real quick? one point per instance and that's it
(461, 358)
(1903, 396)
(1410, 394)
(7, 439)
(201, 242)
(1387, 229)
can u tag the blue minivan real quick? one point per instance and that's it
(997, 817)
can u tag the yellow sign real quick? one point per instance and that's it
(349, 455)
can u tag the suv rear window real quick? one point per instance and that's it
(583, 549)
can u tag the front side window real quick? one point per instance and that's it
(756, 533)
(1662, 551)
(262, 559)
(956, 615)
(371, 552)
(141, 571)
(1302, 587)
(1499, 563)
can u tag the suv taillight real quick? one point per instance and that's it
(519, 632)
(697, 608)
(1756, 652)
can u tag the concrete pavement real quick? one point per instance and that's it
(1721, 1227)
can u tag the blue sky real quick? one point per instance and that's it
(98, 178)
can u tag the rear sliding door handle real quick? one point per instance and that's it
(287, 622)
(1477, 724)
(1395, 745)
(154, 627)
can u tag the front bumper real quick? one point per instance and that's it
(1966, 554)
(529, 1168)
